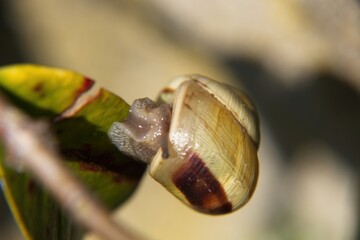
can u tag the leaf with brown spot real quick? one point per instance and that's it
(81, 133)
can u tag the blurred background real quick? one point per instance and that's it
(298, 59)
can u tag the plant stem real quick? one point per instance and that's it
(26, 142)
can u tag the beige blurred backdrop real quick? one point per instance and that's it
(298, 59)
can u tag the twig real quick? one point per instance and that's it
(29, 149)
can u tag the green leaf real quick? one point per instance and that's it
(81, 131)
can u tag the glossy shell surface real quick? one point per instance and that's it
(213, 141)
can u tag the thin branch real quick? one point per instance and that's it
(27, 145)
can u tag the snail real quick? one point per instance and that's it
(200, 140)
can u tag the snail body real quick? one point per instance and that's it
(200, 140)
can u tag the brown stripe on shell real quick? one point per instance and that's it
(168, 90)
(200, 187)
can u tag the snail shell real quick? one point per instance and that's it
(200, 140)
